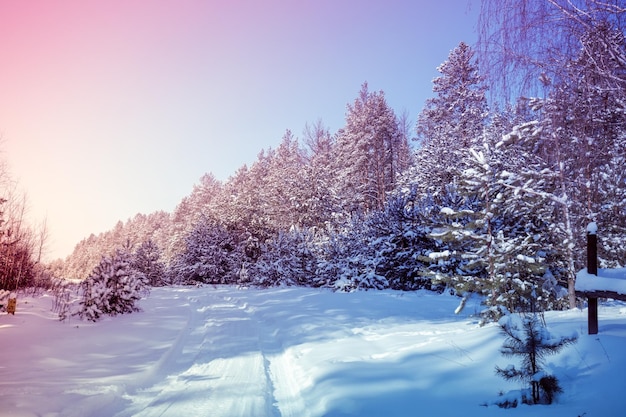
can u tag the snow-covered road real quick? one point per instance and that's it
(290, 352)
(216, 366)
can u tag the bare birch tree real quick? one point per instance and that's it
(522, 43)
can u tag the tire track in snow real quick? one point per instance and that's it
(218, 363)
(267, 347)
(284, 390)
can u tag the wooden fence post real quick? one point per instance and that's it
(592, 268)
(12, 304)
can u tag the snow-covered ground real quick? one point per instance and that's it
(291, 352)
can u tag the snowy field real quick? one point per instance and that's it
(291, 352)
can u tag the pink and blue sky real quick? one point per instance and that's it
(113, 108)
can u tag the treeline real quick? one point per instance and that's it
(494, 199)
(316, 185)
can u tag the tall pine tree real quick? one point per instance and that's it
(450, 123)
(371, 152)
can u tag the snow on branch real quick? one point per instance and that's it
(517, 189)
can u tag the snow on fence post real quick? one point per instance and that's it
(592, 269)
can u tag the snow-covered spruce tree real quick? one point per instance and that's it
(529, 339)
(493, 240)
(349, 262)
(245, 206)
(112, 288)
(511, 233)
(147, 260)
(87, 253)
(370, 152)
(286, 260)
(204, 201)
(397, 238)
(267, 197)
(286, 205)
(450, 123)
(449, 241)
(543, 177)
(577, 139)
(365, 253)
(332, 260)
(318, 194)
(212, 256)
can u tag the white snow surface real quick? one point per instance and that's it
(592, 228)
(292, 352)
(607, 280)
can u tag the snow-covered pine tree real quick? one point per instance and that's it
(445, 260)
(318, 193)
(212, 256)
(397, 239)
(545, 179)
(87, 253)
(370, 151)
(286, 205)
(580, 138)
(112, 288)
(147, 260)
(352, 257)
(204, 201)
(288, 259)
(492, 239)
(450, 123)
(245, 205)
(511, 234)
